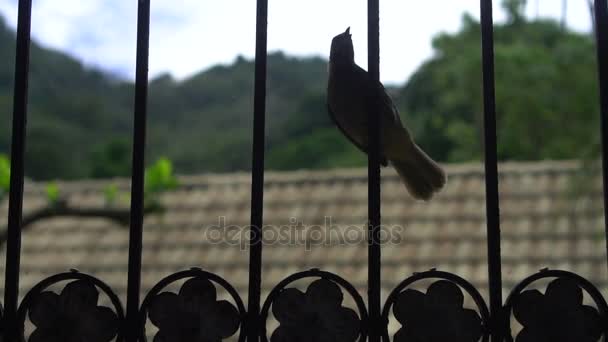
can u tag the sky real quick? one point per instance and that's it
(197, 34)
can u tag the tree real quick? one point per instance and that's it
(112, 159)
(515, 10)
(546, 93)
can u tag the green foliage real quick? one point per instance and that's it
(52, 193)
(305, 152)
(5, 175)
(110, 194)
(159, 177)
(515, 9)
(546, 94)
(112, 159)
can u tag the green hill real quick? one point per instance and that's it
(80, 119)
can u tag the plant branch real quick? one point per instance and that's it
(62, 209)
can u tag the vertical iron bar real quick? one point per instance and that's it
(138, 170)
(257, 173)
(373, 171)
(13, 247)
(15, 204)
(601, 33)
(491, 170)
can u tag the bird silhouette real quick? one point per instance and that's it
(347, 98)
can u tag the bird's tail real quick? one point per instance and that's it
(421, 175)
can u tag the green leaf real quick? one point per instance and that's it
(5, 175)
(110, 194)
(159, 177)
(52, 192)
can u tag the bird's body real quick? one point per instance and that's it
(347, 94)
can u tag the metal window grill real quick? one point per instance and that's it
(488, 322)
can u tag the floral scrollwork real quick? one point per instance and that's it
(314, 315)
(437, 315)
(1, 323)
(194, 314)
(72, 316)
(557, 315)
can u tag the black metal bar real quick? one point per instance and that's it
(138, 170)
(15, 204)
(601, 33)
(257, 173)
(491, 170)
(373, 173)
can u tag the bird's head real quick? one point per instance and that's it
(342, 48)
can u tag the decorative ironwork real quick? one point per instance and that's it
(74, 314)
(2, 323)
(438, 314)
(313, 314)
(316, 314)
(194, 313)
(559, 314)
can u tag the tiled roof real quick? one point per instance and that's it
(544, 224)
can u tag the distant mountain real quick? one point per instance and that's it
(80, 119)
(72, 109)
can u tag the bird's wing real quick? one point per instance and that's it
(387, 103)
(383, 160)
(388, 111)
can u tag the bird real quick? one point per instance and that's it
(348, 88)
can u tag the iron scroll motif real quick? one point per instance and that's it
(1, 323)
(72, 315)
(559, 314)
(306, 316)
(194, 314)
(438, 314)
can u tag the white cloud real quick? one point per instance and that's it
(195, 34)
